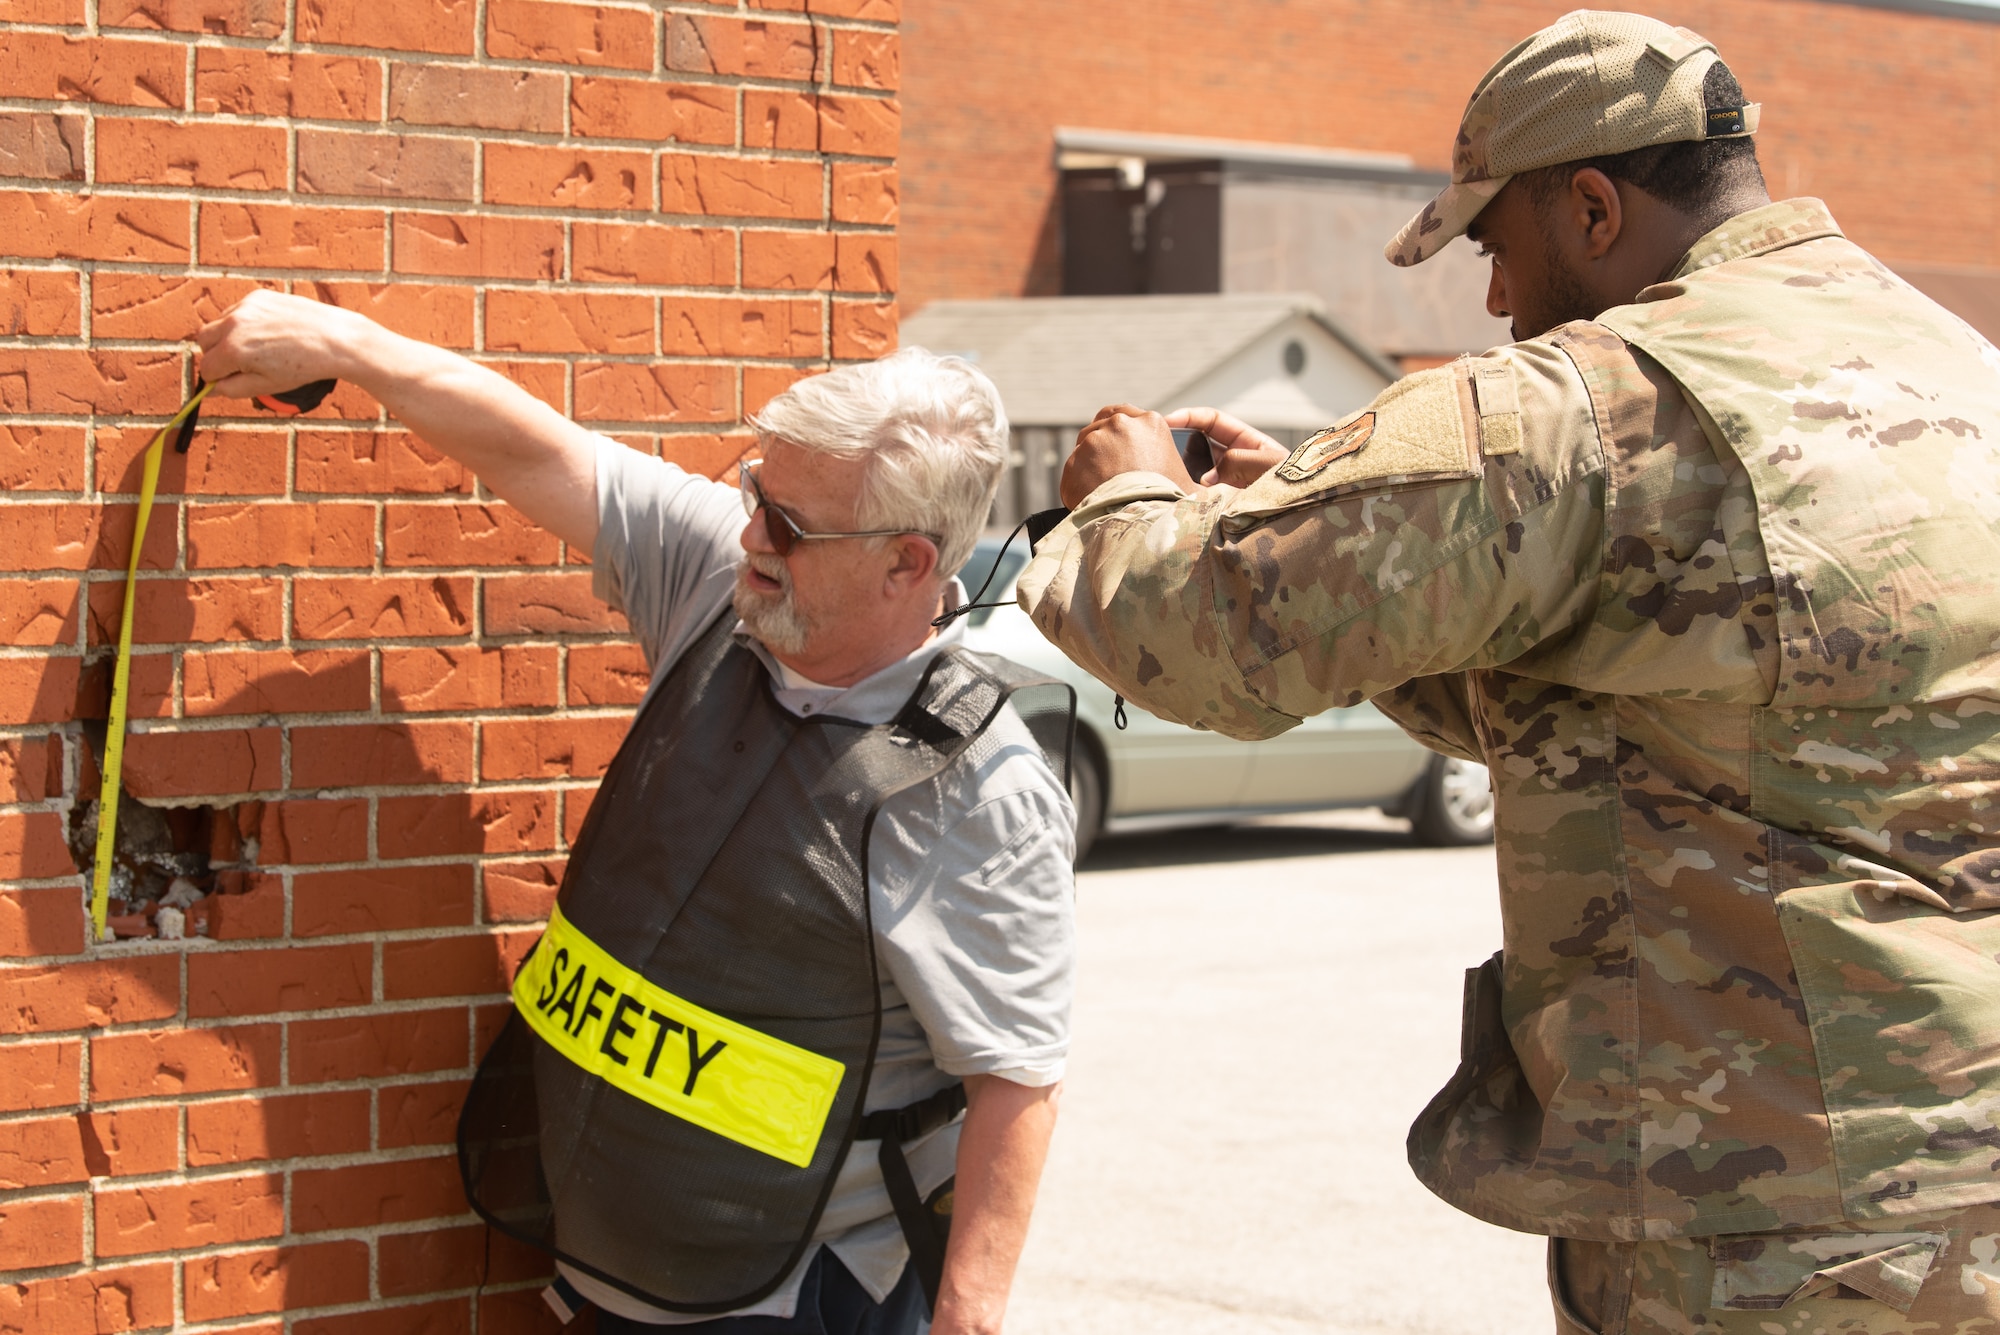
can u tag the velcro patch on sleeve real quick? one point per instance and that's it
(1499, 408)
(1416, 431)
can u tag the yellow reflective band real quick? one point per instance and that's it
(720, 1075)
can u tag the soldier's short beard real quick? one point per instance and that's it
(1561, 298)
(774, 618)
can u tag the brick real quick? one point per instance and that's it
(409, 1264)
(45, 1232)
(398, 166)
(446, 1316)
(41, 922)
(40, 1075)
(424, 311)
(134, 305)
(549, 748)
(864, 193)
(444, 27)
(94, 227)
(520, 891)
(879, 11)
(514, 1313)
(287, 236)
(38, 690)
(89, 995)
(38, 611)
(732, 327)
(201, 611)
(869, 127)
(423, 93)
(50, 67)
(412, 1115)
(41, 145)
(246, 907)
(201, 764)
(292, 978)
(276, 1279)
(280, 681)
(663, 392)
(513, 676)
(546, 604)
(381, 899)
(304, 832)
(291, 1126)
(653, 254)
(397, 1192)
(272, 83)
(367, 1047)
(684, 113)
(370, 607)
(169, 1062)
(127, 1142)
(231, 18)
(89, 380)
(43, 11)
(371, 754)
(761, 384)
(780, 118)
(218, 462)
(41, 1152)
(741, 187)
(866, 59)
(756, 48)
(30, 767)
(606, 674)
(37, 456)
(545, 176)
(162, 152)
(614, 322)
(481, 535)
(707, 454)
(432, 243)
(32, 847)
(570, 34)
(864, 329)
(281, 534)
(38, 302)
(131, 1298)
(453, 966)
(206, 1212)
(480, 822)
(547, 381)
(867, 262)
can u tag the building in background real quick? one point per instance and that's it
(1278, 361)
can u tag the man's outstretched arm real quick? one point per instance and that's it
(1001, 1151)
(531, 456)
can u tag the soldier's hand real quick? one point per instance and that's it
(1121, 439)
(1242, 452)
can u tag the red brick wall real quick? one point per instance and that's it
(1888, 116)
(393, 692)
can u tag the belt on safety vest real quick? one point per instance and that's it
(926, 1221)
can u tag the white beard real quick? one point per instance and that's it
(774, 618)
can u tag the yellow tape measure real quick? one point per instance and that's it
(114, 741)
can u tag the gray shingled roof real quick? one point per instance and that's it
(1057, 360)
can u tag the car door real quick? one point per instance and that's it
(1344, 757)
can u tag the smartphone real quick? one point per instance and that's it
(1197, 453)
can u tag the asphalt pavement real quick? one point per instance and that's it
(1260, 1013)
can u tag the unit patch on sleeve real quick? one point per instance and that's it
(1323, 447)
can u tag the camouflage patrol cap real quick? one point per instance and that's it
(1591, 84)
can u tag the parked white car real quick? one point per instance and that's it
(1155, 774)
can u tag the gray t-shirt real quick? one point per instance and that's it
(970, 877)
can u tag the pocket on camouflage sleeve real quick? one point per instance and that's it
(1767, 1272)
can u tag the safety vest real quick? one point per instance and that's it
(689, 1053)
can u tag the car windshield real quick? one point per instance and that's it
(974, 572)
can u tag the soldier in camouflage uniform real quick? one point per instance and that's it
(1706, 569)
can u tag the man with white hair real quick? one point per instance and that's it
(824, 893)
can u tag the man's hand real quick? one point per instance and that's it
(1121, 439)
(1242, 452)
(269, 342)
(1001, 1151)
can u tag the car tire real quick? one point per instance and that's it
(1453, 804)
(1087, 792)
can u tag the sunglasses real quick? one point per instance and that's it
(784, 531)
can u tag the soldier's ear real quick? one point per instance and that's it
(1596, 210)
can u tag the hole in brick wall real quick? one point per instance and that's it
(169, 862)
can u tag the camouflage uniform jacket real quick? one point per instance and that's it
(1712, 583)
